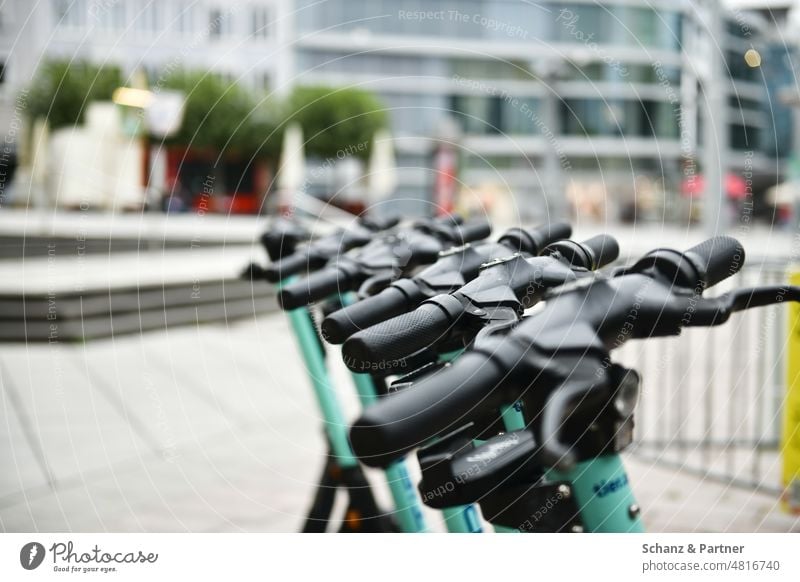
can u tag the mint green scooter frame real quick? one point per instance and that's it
(461, 519)
(311, 352)
(407, 507)
(600, 486)
(603, 495)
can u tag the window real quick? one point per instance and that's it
(739, 70)
(147, 17)
(151, 72)
(617, 25)
(619, 117)
(738, 102)
(60, 8)
(744, 138)
(70, 13)
(111, 16)
(487, 115)
(520, 117)
(184, 17)
(215, 23)
(220, 24)
(413, 114)
(259, 22)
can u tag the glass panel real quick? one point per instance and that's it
(619, 117)
(744, 138)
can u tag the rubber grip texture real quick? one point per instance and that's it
(719, 257)
(437, 404)
(341, 324)
(387, 343)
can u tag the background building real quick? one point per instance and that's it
(598, 100)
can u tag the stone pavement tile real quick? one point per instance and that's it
(20, 468)
(62, 510)
(266, 376)
(41, 513)
(156, 394)
(227, 484)
(78, 427)
(242, 381)
(224, 484)
(672, 500)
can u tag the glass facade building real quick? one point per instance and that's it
(611, 89)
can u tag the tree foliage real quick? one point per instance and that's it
(336, 119)
(220, 115)
(223, 115)
(63, 90)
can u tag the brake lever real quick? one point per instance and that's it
(496, 321)
(717, 310)
(586, 384)
(376, 283)
(596, 412)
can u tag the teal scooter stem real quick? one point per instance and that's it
(461, 519)
(341, 468)
(408, 509)
(603, 494)
(311, 351)
(600, 486)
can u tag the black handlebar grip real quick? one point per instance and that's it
(472, 231)
(545, 235)
(282, 238)
(313, 288)
(292, 265)
(603, 250)
(717, 258)
(389, 342)
(390, 302)
(590, 254)
(435, 405)
(379, 223)
(534, 240)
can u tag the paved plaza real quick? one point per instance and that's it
(213, 428)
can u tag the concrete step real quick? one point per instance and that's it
(79, 317)
(69, 298)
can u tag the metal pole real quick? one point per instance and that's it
(554, 194)
(715, 126)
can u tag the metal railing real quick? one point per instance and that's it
(711, 401)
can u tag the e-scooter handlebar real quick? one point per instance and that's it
(402, 421)
(558, 354)
(438, 319)
(452, 270)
